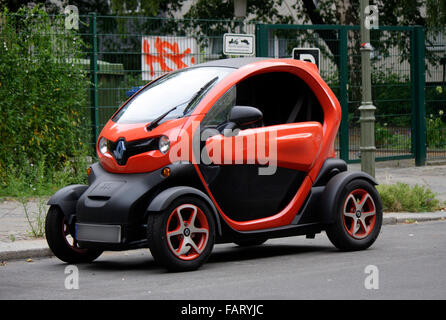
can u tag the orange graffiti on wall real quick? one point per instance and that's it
(161, 54)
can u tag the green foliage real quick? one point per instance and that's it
(148, 8)
(435, 99)
(393, 97)
(24, 179)
(436, 131)
(402, 197)
(391, 138)
(381, 135)
(35, 221)
(264, 11)
(130, 81)
(43, 93)
(391, 12)
(436, 13)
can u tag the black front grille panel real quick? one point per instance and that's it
(122, 150)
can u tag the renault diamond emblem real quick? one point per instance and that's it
(119, 151)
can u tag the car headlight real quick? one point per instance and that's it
(164, 144)
(103, 145)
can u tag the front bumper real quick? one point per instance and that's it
(115, 201)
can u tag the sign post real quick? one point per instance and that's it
(367, 109)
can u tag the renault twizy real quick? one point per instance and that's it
(236, 150)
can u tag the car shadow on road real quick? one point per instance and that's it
(237, 253)
(124, 263)
(234, 253)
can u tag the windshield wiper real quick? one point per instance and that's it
(156, 121)
(199, 93)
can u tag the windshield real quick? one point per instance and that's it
(173, 96)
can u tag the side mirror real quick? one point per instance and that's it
(243, 115)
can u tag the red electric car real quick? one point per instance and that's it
(236, 150)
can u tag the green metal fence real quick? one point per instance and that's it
(126, 52)
(436, 94)
(397, 61)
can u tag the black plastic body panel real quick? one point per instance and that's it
(243, 194)
(314, 213)
(286, 231)
(136, 244)
(330, 196)
(66, 199)
(127, 199)
(330, 168)
(309, 213)
(110, 197)
(230, 235)
(123, 199)
(165, 198)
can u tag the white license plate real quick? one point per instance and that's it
(98, 233)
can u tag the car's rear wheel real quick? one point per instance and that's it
(358, 217)
(182, 236)
(61, 241)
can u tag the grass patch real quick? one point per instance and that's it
(37, 224)
(403, 197)
(26, 180)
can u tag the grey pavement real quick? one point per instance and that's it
(404, 171)
(14, 225)
(24, 249)
(15, 230)
(410, 260)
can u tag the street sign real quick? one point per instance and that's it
(239, 44)
(312, 55)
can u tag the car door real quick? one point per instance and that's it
(254, 173)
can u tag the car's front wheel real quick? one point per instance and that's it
(181, 237)
(61, 241)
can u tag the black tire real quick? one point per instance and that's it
(250, 242)
(167, 250)
(351, 230)
(56, 232)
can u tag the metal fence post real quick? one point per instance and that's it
(413, 121)
(261, 40)
(343, 93)
(94, 77)
(418, 83)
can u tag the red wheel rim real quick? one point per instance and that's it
(359, 214)
(69, 239)
(187, 232)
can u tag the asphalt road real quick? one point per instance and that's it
(410, 259)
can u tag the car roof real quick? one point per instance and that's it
(235, 63)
